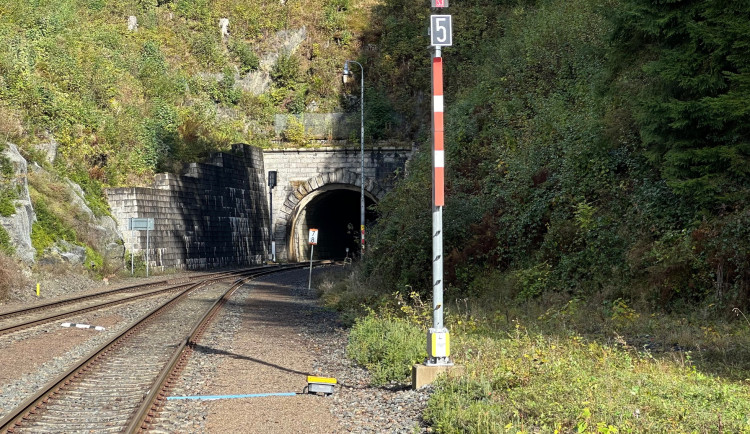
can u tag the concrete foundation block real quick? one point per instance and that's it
(422, 375)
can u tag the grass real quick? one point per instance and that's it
(342, 289)
(532, 382)
(552, 364)
(11, 277)
(387, 346)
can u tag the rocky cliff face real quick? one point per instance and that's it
(19, 224)
(100, 230)
(103, 229)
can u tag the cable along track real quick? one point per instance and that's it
(119, 386)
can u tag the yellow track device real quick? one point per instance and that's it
(320, 385)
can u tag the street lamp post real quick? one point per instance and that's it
(348, 73)
(271, 185)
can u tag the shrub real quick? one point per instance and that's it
(48, 228)
(295, 131)
(11, 276)
(94, 261)
(206, 48)
(286, 70)
(387, 347)
(226, 93)
(246, 57)
(6, 246)
(7, 201)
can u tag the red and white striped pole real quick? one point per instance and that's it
(438, 151)
(438, 340)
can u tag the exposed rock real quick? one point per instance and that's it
(49, 148)
(258, 82)
(104, 227)
(19, 224)
(101, 229)
(64, 251)
(132, 24)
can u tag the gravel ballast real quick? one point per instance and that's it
(270, 336)
(267, 340)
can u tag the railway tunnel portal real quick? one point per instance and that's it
(221, 212)
(321, 188)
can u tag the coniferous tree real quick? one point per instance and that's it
(694, 115)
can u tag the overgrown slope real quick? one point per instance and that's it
(595, 148)
(122, 104)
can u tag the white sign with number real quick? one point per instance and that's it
(441, 30)
(313, 238)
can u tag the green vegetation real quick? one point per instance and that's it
(596, 243)
(48, 228)
(596, 230)
(123, 105)
(387, 347)
(8, 192)
(565, 175)
(94, 261)
(6, 247)
(691, 114)
(526, 382)
(550, 365)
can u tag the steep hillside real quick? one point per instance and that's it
(107, 93)
(596, 148)
(122, 102)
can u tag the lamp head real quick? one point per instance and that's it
(347, 72)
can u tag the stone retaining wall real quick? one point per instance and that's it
(213, 215)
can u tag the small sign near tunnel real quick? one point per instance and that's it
(313, 238)
(140, 224)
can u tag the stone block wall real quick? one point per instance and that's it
(322, 126)
(301, 171)
(213, 215)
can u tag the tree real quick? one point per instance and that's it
(693, 116)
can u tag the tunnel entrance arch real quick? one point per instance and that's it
(334, 210)
(329, 203)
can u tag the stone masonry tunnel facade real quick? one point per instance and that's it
(320, 188)
(218, 213)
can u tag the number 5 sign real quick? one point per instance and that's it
(441, 31)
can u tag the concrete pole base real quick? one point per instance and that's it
(422, 375)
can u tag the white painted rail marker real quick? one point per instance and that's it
(82, 326)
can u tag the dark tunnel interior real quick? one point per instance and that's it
(336, 215)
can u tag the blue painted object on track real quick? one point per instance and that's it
(212, 397)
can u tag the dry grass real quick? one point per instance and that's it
(561, 364)
(11, 277)
(341, 288)
(11, 128)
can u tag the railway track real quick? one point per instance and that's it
(20, 319)
(119, 386)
